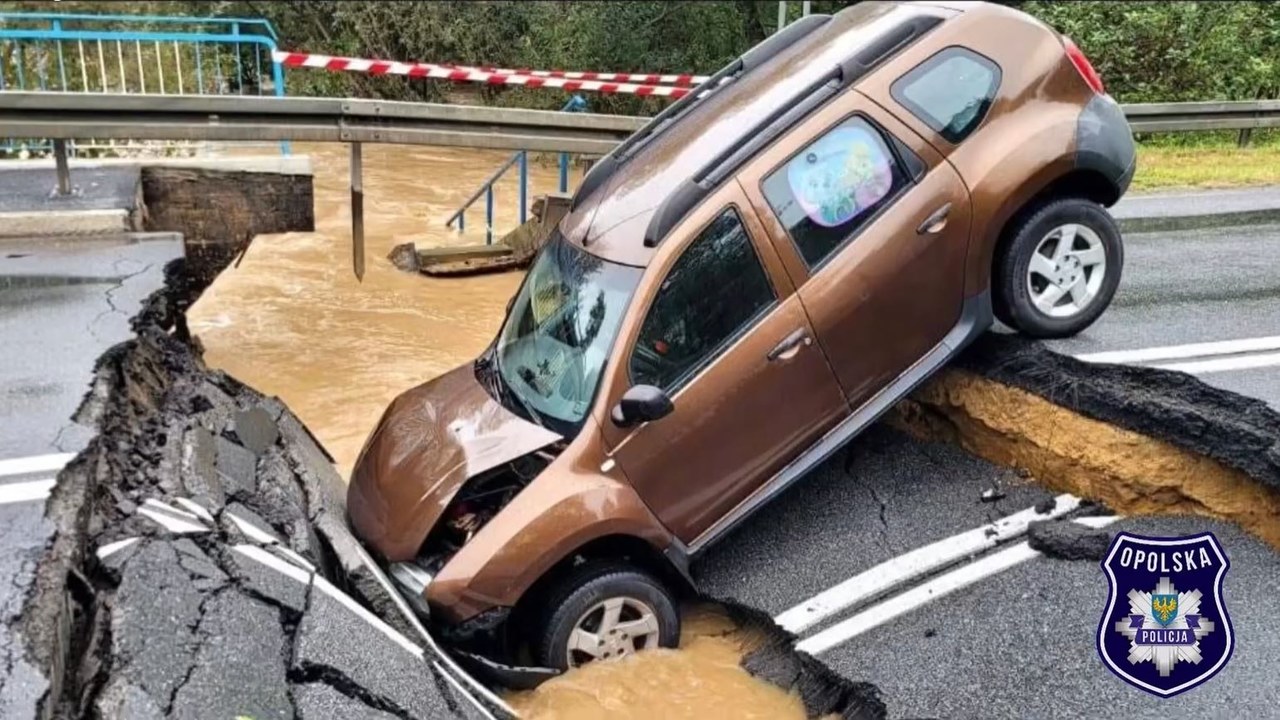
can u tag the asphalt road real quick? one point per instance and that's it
(62, 303)
(1192, 287)
(1017, 644)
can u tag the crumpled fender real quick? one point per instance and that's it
(566, 507)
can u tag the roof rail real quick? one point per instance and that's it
(748, 61)
(694, 190)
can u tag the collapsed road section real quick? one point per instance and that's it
(200, 565)
(1142, 441)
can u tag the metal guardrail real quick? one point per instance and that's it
(1181, 117)
(244, 118)
(248, 119)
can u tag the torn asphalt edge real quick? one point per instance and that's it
(200, 558)
(1237, 431)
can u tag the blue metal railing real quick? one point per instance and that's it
(521, 160)
(76, 52)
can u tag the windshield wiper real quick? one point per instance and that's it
(505, 390)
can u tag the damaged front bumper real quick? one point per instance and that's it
(412, 580)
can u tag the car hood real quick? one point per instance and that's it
(430, 441)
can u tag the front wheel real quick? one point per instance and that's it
(604, 611)
(1059, 270)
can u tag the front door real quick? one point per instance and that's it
(873, 226)
(737, 355)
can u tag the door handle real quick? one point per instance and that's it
(934, 224)
(790, 345)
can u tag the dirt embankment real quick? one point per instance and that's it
(1139, 440)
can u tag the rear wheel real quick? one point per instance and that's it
(1060, 269)
(604, 611)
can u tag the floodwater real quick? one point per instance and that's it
(293, 321)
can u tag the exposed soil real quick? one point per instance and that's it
(1130, 472)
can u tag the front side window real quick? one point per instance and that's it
(950, 92)
(559, 332)
(711, 295)
(833, 187)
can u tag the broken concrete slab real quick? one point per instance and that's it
(239, 670)
(154, 615)
(255, 429)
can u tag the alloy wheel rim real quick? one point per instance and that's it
(612, 628)
(1067, 270)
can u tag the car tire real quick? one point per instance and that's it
(575, 610)
(1059, 270)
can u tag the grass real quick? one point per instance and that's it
(1215, 163)
(1204, 167)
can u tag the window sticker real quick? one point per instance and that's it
(840, 175)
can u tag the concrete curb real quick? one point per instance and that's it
(64, 222)
(1199, 222)
(1176, 210)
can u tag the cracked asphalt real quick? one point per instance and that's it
(62, 303)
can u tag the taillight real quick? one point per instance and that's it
(1083, 66)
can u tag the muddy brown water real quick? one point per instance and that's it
(293, 321)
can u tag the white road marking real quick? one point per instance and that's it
(938, 587)
(172, 519)
(169, 509)
(26, 491)
(1184, 352)
(292, 557)
(253, 532)
(920, 561)
(196, 509)
(1243, 362)
(34, 464)
(253, 552)
(110, 549)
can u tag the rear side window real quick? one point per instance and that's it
(833, 187)
(950, 92)
(710, 296)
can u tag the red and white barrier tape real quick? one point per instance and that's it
(638, 78)
(491, 77)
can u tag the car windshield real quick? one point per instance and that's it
(558, 334)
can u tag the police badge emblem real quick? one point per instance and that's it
(1165, 628)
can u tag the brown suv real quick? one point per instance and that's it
(739, 289)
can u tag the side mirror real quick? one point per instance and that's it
(642, 403)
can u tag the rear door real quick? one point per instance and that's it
(872, 225)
